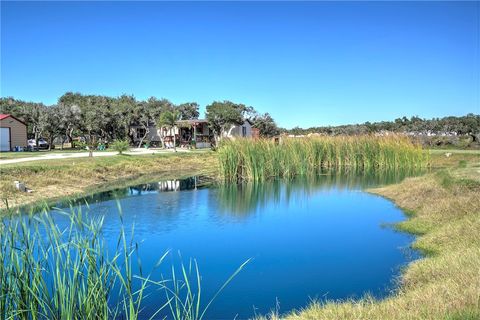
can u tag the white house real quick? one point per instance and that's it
(243, 130)
(152, 134)
(188, 133)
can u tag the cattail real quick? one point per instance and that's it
(262, 159)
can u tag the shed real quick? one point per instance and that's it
(240, 130)
(13, 132)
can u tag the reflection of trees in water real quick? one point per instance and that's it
(245, 199)
(364, 178)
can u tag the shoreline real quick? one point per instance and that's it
(57, 180)
(442, 210)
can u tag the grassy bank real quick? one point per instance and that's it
(444, 209)
(260, 160)
(56, 179)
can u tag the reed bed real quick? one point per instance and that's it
(263, 159)
(48, 272)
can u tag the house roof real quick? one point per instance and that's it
(5, 116)
(193, 121)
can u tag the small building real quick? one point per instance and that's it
(13, 133)
(255, 133)
(188, 133)
(152, 136)
(242, 130)
(195, 133)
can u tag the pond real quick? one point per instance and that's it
(308, 239)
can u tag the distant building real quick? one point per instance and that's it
(13, 133)
(194, 133)
(242, 130)
(255, 133)
(139, 132)
(189, 133)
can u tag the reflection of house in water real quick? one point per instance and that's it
(143, 189)
(169, 185)
(166, 185)
(177, 185)
(191, 183)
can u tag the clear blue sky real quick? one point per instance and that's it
(310, 63)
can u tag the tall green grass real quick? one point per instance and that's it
(260, 160)
(47, 272)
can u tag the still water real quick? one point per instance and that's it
(321, 239)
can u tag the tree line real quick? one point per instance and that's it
(464, 125)
(104, 118)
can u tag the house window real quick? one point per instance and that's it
(244, 131)
(141, 133)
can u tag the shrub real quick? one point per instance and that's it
(80, 145)
(120, 146)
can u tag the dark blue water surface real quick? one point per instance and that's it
(321, 239)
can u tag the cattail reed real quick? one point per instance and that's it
(263, 159)
(49, 272)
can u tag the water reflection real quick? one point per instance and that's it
(167, 185)
(172, 185)
(324, 231)
(248, 198)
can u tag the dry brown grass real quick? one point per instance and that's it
(55, 179)
(445, 284)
